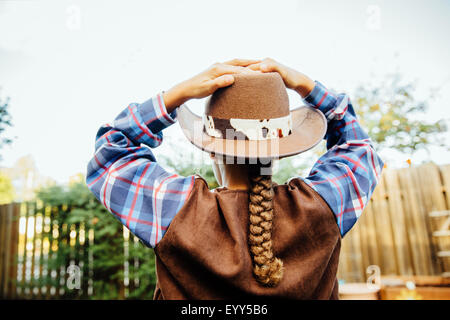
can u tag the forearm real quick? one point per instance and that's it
(304, 85)
(175, 97)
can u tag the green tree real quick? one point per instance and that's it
(5, 121)
(393, 116)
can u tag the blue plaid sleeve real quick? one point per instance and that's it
(125, 177)
(346, 175)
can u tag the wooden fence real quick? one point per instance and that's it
(34, 265)
(9, 240)
(403, 231)
(404, 228)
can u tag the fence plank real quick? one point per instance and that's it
(2, 245)
(23, 253)
(397, 217)
(344, 269)
(53, 288)
(364, 225)
(85, 256)
(370, 230)
(413, 204)
(33, 206)
(384, 231)
(39, 248)
(50, 255)
(357, 253)
(60, 239)
(12, 290)
(7, 248)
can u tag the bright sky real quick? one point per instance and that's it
(70, 66)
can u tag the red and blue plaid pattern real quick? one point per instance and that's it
(126, 178)
(346, 175)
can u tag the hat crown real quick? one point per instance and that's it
(251, 96)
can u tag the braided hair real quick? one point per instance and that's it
(267, 269)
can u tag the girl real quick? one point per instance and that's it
(250, 237)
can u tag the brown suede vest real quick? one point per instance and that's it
(204, 253)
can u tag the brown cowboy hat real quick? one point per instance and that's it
(251, 119)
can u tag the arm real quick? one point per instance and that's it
(125, 177)
(123, 173)
(346, 175)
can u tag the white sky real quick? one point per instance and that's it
(67, 76)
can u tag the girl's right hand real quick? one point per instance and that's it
(217, 76)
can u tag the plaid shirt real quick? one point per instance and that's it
(127, 180)
(346, 175)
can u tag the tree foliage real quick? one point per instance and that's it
(394, 117)
(5, 121)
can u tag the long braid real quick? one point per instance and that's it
(267, 269)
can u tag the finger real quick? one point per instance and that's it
(255, 66)
(241, 62)
(221, 69)
(264, 67)
(222, 81)
(269, 66)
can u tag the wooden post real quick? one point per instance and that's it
(7, 248)
(60, 240)
(344, 269)
(33, 207)
(2, 246)
(12, 291)
(397, 217)
(412, 203)
(385, 237)
(52, 254)
(23, 254)
(354, 239)
(40, 248)
(369, 247)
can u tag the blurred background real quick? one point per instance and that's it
(67, 67)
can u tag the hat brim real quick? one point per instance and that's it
(308, 129)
